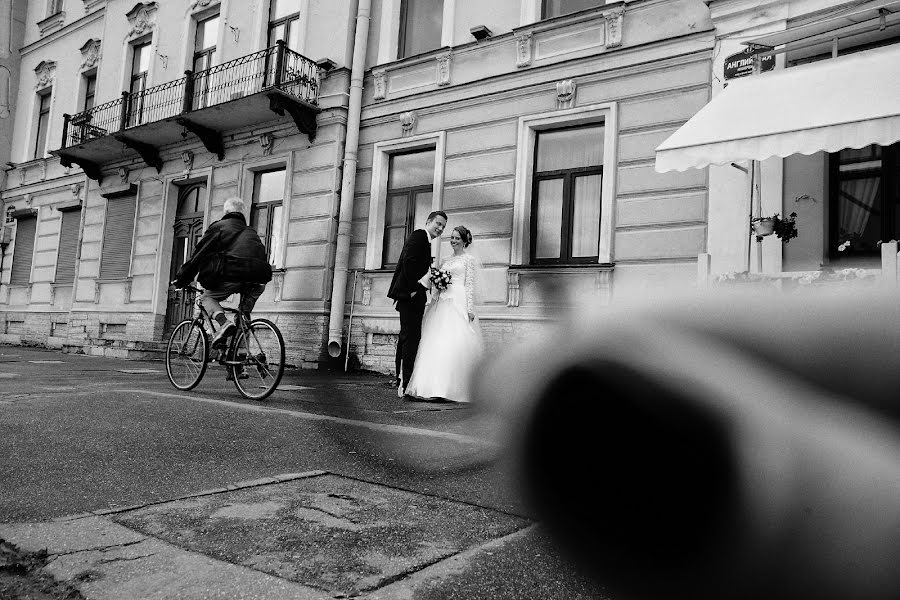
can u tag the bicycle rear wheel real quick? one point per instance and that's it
(259, 351)
(186, 354)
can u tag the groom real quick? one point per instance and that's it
(411, 279)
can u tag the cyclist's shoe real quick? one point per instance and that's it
(222, 334)
(241, 374)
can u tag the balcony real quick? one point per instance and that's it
(241, 92)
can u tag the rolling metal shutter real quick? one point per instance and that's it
(23, 251)
(68, 247)
(117, 236)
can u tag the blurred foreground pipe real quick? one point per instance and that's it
(740, 447)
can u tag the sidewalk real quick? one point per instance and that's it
(335, 532)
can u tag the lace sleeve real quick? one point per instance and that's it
(470, 284)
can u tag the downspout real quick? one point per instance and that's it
(348, 181)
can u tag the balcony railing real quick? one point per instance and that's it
(276, 67)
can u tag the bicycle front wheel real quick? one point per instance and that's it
(259, 354)
(186, 354)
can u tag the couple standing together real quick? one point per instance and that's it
(439, 347)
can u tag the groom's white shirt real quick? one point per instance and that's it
(426, 280)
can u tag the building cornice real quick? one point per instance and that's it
(64, 31)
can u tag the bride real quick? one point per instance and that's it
(451, 342)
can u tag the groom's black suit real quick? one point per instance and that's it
(415, 258)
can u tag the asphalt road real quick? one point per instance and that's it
(81, 433)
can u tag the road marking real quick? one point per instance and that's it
(138, 371)
(46, 362)
(8, 375)
(456, 437)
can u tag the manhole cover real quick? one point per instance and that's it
(336, 534)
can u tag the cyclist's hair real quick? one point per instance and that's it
(234, 205)
(437, 213)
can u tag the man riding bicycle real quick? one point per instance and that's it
(229, 259)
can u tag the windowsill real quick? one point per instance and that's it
(51, 23)
(563, 268)
(376, 271)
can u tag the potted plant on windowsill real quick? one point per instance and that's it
(784, 228)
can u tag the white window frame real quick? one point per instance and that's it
(249, 176)
(389, 34)
(262, 26)
(529, 126)
(381, 159)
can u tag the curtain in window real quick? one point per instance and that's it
(586, 216)
(570, 148)
(857, 203)
(549, 219)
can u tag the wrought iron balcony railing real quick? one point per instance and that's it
(275, 67)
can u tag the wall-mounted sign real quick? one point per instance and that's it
(740, 64)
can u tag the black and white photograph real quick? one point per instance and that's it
(450, 299)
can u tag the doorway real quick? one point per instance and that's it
(188, 231)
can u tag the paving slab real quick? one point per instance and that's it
(333, 533)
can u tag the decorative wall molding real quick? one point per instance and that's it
(142, 18)
(122, 172)
(513, 289)
(51, 23)
(76, 188)
(90, 5)
(45, 72)
(379, 80)
(187, 157)
(565, 93)
(266, 142)
(408, 122)
(90, 54)
(43, 167)
(523, 49)
(201, 4)
(366, 290)
(443, 74)
(277, 286)
(614, 27)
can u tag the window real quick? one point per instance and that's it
(420, 26)
(43, 123)
(54, 7)
(566, 192)
(284, 22)
(865, 192)
(90, 90)
(266, 211)
(408, 201)
(115, 258)
(140, 66)
(204, 54)
(205, 43)
(556, 8)
(23, 251)
(68, 247)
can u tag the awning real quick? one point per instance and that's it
(846, 102)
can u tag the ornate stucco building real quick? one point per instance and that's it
(342, 123)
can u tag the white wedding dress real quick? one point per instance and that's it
(451, 345)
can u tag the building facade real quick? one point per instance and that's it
(846, 198)
(342, 124)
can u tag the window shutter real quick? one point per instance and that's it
(117, 236)
(68, 247)
(23, 251)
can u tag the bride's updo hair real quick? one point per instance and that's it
(465, 234)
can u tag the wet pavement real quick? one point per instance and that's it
(333, 488)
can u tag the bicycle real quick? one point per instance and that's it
(254, 357)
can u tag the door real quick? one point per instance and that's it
(188, 231)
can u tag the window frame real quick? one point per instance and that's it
(566, 226)
(19, 216)
(209, 52)
(277, 261)
(543, 12)
(74, 211)
(410, 192)
(890, 161)
(404, 30)
(135, 116)
(42, 129)
(295, 17)
(54, 7)
(529, 126)
(130, 196)
(87, 92)
(381, 153)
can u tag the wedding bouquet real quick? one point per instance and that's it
(440, 278)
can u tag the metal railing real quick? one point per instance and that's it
(273, 67)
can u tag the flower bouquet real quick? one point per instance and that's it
(440, 278)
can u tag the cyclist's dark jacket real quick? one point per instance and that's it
(229, 251)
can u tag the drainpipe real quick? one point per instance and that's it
(348, 181)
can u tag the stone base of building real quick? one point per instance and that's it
(142, 335)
